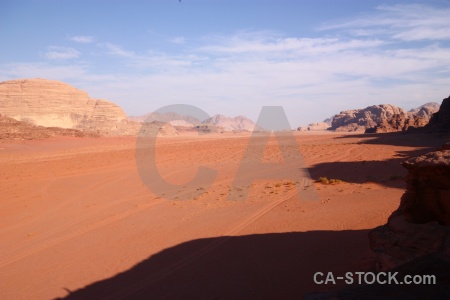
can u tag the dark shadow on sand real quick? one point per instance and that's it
(386, 172)
(264, 266)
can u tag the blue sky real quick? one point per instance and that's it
(315, 58)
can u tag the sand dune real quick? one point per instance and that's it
(75, 214)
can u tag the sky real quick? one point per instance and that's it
(313, 58)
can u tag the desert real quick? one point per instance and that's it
(77, 222)
(83, 219)
(226, 150)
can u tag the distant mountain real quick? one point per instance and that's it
(170, 117)
(328, 121)
(239, 123)
(217, 123)
(425, 111)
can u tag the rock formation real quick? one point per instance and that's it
(169, 117)
(420, 225)
(239, 123)
(440, 121)
(52, 103)
(217, 123)
(361, 119)
(425, 111)
(398, 122)
(314, 127)
(11, 129)
(416, 239)
(416, 118)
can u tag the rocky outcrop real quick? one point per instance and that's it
(239, 123)
(52, 103)
(420, 226)
(440, 121)
(415, 118)
(416, 239)
(398, 123)
(314, 127)
(362, 119)
(11, 129)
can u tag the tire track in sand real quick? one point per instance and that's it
(90, 227)
(145, 282)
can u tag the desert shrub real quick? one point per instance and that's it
(335, 181)
(325, 180)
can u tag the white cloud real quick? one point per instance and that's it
(43, 70)
(83, 39)
(406, 22)
(355, 64)
(61, 53)
(157, 61)
(118, 51)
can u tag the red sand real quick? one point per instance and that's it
(74, 212)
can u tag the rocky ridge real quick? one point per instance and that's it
(361, 119)
(415, 118)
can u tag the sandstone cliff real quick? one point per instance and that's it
(56, 104)
(361, 119)
(416, 118)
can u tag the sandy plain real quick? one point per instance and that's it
(77, 222)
